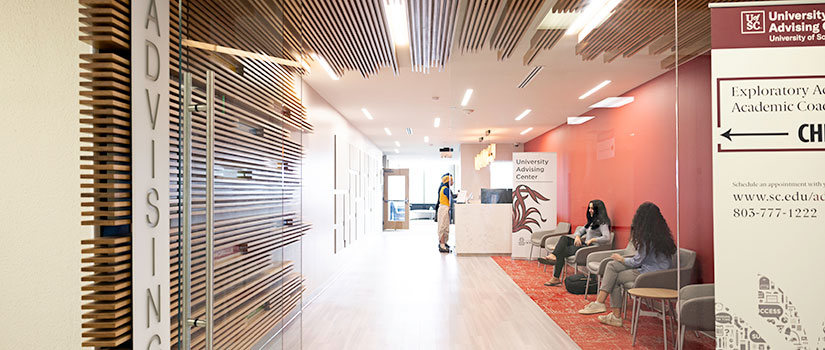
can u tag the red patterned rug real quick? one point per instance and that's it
(586, 331)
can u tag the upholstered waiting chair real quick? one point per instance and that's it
(597, 262)
(580, 258)
(696, 310)
(539, 237)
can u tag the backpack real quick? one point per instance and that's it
(576, 284)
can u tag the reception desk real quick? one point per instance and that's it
(483, 228)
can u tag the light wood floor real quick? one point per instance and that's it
(400, 293)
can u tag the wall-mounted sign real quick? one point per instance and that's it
(485, 157)
(768, 83)
(150, 174)
(534, 197)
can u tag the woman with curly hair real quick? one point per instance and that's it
(655, 248)
(596, 232)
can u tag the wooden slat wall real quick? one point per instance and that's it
(431, 25)
(105, 161)
(259, 119)
(349, 35)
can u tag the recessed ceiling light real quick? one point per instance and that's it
(388, 131)
(397, 20)
(578, 120)
(325, 66)
(366, 113)
(591, 91)
(613, 102)
(598, 18)
(527, 130)
(466, 99)
(397, 151)
(436, 122)
(426, 139)
(397, 144)
(524, 114)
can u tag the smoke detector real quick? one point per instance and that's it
(468, 111)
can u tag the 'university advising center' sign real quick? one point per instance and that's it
(768, 74)
(150, 174)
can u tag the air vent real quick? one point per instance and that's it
(409, 131)
(530, 76)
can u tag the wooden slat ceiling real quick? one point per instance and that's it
(349, 35)
(432, 24)
(354, 35)
(515, 22)
(637, 24)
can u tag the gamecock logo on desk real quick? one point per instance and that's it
(521, 212)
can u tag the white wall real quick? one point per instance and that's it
(319, 261)
(474, 180)
(425, 174)
(40, 228)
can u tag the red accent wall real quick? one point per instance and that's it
(626, 156)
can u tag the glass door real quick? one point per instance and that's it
(237, 225)
(396, 199)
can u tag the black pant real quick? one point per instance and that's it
(564, 248)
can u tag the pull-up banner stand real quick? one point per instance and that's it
(534, 199)
(768, 88)
(150, 174)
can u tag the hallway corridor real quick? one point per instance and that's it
(398, 292)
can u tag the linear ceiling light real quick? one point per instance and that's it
(436, 122)
(397, 144)
(613, 102)
(466, 99)
(579, 120)
(325, 66)
(527, 130)
(426, 139)
(597, 88)
(592, 15)
(597, 20)
(524, 114)
(389, 133)
(397, 19)
(366, 113)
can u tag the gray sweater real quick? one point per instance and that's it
(601, 234)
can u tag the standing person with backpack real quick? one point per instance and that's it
(442, 212)
(655, 248)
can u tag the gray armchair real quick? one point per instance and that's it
(657, 279)
(696, 310)
(540, 237)
(580, 258)
(596, 262)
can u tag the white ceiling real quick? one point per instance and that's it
(406, 100)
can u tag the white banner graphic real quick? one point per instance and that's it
(534, 198)
(768, 91)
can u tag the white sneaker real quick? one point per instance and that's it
(611, 320)
(593, 308)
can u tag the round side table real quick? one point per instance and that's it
(654, 294)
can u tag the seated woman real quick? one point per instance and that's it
(654, 244)
(596, 232)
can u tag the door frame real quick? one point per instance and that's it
(397, 225)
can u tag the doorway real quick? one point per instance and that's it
(396, 199)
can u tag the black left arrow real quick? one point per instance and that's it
(728, 134)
